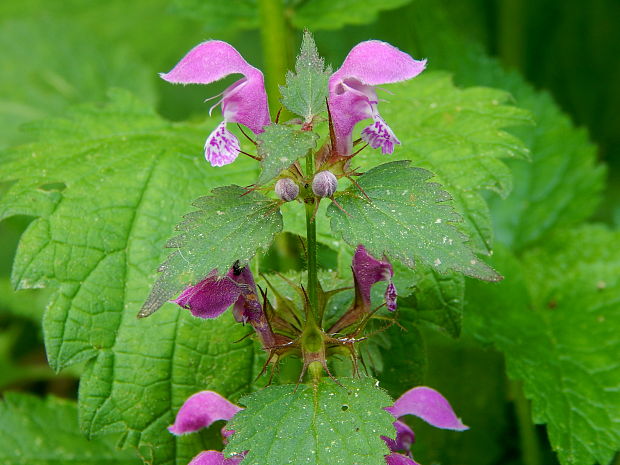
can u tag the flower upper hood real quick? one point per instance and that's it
(244, 102)
(352, 95)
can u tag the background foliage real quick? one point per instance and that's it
(79, 86)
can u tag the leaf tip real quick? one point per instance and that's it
(146, 311)
(484, 272)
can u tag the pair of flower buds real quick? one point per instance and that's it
(324, 184)
(352, 95)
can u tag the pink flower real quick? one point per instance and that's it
(367, 270)
(199, 411)
(352, 95)
(243, 102)
(213, 457)
(213, 295)
(424, 403)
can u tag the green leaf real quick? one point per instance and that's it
(306, 90)
(116, 180)
(407, 218)
(62, 69)
(560, 313)
(563, 183)
(307, 425)
(430, 297)
(37, 431)
(405, 356)
(230, 225)
(458, 135)
(437, 299)
(281, 146)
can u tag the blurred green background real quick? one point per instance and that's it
(54, 54)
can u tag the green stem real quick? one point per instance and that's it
(275, 40)
(311, 241)
(511, 32)
(530, 446)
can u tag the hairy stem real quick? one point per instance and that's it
(275, 40)
(311, 241)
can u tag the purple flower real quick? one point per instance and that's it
(352, 95)
(199, 411)
(243, 102)
(367, 270)
(214, 294)
(430, 406)
(211, 296)
(405, 437)
(213, 457)
(427, 404)
(391, 459)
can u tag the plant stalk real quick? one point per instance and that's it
(311, 242)
(511, 35)
(275, 42)
(530, 446)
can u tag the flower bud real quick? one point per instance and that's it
(287, 189)
(324, 184)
